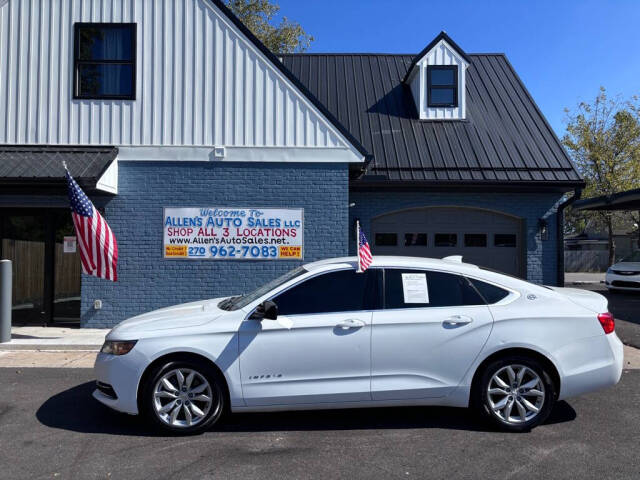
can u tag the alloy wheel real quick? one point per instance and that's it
(515, 394)
(183, 398)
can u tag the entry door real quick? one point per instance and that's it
(432, 328)
(23, 242)
(46, 274)
(324, 356)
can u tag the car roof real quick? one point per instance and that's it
(453, 263)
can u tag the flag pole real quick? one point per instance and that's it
(358, 244)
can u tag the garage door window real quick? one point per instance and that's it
(386, 239)
(475, 240)
(341, 291)
(444, 290)
(445, 240)
(504, 240)
(415, 239)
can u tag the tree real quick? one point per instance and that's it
(603, 139)
(258, 16)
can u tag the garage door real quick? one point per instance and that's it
(482, 237)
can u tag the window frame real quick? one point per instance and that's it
(77, 62)
(426, 271)
(431, 103)
(273, 296)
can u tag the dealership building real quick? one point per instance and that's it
(220, 166)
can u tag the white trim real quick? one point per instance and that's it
(237, 154)
(108, 182)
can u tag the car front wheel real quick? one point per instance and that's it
(183, 397)
(516, 393)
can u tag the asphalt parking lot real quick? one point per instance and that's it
(50, 427)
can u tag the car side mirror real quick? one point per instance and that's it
(266, 310)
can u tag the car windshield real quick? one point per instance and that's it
(634, 257)
(235, 303)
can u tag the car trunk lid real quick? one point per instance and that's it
(585, 298)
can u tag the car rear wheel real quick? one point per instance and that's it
(515, 393)
(184, 397)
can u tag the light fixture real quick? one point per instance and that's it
(543, 228)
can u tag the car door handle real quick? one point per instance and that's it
(458, 320)
(350, 323)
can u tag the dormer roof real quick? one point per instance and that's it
(441, 36)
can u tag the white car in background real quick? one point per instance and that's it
(624, 275)
(408, 331)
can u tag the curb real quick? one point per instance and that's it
(48, 347)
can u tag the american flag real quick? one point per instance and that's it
(98, 247)
(364, 252)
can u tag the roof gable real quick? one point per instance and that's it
(442, 37)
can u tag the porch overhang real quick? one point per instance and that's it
(38, 169)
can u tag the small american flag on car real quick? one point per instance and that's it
(98, 246)
(364, 252)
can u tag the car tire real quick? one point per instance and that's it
(516, 409)
(183, 397)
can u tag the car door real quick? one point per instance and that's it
(319, 348)
(432, 327)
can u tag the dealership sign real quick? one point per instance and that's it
(228, 233)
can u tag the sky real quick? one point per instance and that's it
(563, 50)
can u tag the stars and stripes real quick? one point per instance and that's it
(364, 252)
(97, 243)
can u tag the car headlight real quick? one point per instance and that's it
(609, 270)
(115, 347)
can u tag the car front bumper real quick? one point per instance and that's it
(622, 282)
(122, 373)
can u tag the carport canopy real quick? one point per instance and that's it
(628, 200)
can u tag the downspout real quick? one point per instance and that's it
(560, 233)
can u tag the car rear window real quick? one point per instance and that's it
(490, 293)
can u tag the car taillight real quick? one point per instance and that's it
(607, 321)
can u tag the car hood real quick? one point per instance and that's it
(178, 316)
(626, 266)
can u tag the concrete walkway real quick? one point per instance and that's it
(55, 338)
(582, 278)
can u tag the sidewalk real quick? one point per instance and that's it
(55, 338)
(581, 278)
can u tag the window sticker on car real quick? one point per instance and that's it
(414, 287)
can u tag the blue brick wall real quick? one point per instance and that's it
(541, 254)
(148, 281)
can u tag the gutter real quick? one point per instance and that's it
(560, 233)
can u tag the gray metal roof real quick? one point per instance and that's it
(505, 138)
(42, 164)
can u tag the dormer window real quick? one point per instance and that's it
(436, 78)
(442, 81)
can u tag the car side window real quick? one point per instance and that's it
(443, 289)
(491, 293)
(340, 291)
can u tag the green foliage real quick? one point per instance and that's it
(603, 138)
(258, 16)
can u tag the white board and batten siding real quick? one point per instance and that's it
(440, 54)
(199, 83)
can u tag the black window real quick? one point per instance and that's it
(442, 81)
(105, 60)
(491, 293)
(386, 239)
(475, 240)
(504, 240)
(445, 240)
(444, 290)
(341, 291)
(415, 239)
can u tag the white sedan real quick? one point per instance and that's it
(408, 331)
(624, 275)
